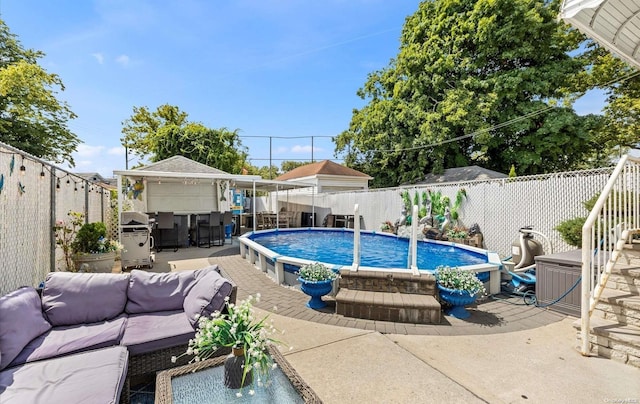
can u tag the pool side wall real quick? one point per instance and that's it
(273, 264)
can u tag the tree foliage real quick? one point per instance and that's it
(475, 82)
(290, 165)
(31, 117)
(166, 132)
(620, 126)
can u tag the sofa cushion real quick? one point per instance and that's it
(206, 296)
(21, 320)
(89, 377)
(69, 339)
(149, 292)
(149, 332)
(77, 298)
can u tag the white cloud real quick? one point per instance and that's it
(99, 57)
(86, 151)
(116, 151)
(305, 149)
(123, 60)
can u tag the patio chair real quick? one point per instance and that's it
(168, 231)
(211, 230)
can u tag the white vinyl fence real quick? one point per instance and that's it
(31, 200)
(500, 207)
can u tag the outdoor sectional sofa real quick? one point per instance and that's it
(87, 335)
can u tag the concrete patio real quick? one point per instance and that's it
(505, 352)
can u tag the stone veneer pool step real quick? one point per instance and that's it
(388, 296)
(615, 323)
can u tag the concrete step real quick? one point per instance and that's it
(624, 282)
(620, 306)
(387, 306)
(609, 339)
(388, 281)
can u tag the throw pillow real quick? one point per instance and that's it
(206, 296)
(21, 320)
(77, 298)
(149, 292)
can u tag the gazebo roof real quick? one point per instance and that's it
(178, 168)
(180, 164)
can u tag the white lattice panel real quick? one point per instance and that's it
(26, 222)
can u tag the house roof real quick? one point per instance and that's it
(326, 167)
(96, 177)
(458, 174)
(180, 164)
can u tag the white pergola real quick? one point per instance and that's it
(614, 24)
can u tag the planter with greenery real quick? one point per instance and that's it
(316, 280)
(93, 251)
(458, 235)
(458, 288)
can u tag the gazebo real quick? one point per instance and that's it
(184, 186)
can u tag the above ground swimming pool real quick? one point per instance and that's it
(377, 250)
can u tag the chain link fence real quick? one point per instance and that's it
(33, 196)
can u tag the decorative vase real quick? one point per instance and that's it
(100, 262)
(234, 370)
(316, 290)
(457, 299)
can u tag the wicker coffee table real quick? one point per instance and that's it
(201, 382)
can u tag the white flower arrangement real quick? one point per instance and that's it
(460, 280)
(237, 328)
(316, 272)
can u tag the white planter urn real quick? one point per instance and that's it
(100, 262)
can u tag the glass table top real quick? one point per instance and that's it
(207, 386)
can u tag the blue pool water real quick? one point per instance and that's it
(378, 251)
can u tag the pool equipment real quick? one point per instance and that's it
(519, 275)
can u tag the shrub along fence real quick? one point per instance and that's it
(33, 195)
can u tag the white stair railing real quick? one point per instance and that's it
(614, 218)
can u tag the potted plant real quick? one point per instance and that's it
(249, 339)
(316, 280)
(65, 233)
(93, 251)
(458, 287)
(457, 235)
(387, 227)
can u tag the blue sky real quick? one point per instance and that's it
(281, 69)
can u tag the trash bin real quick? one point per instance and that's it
(228, 230)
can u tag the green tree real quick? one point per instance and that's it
(265, 172)
(141, 129)
(166, 132)
(290, 165)
(465, 70)
(219, 148)
(620, 125)
(31, 117)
